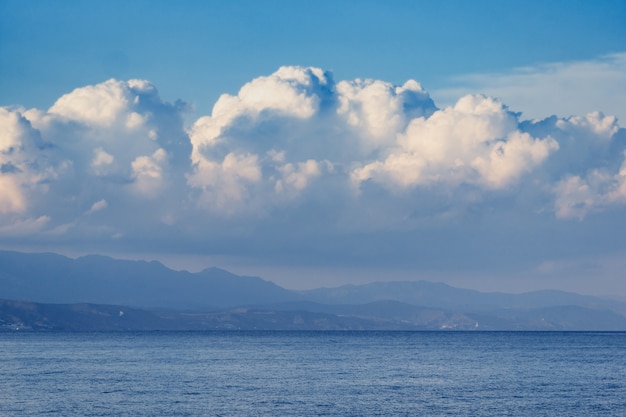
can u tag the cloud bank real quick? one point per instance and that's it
(345, 168)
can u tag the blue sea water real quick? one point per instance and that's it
(313, 374)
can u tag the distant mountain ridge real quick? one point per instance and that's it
(432, 294)
(57, 288)
(51, 278)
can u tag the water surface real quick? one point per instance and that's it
(313, 374)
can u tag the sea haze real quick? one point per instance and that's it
(96, 293)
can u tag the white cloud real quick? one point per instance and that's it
(225, 183)
(290, 92)
(379, 110)
(93, 143)
(135, 120)
(148, 172)
(595, 123)
(475, 142)
(561, 88)
(298, 176)
(577, 196)
(292, 129)
(24, 227)
(97, 206)
(298, 163)
(104, 104)
(24, 168)
(97, 105)
(101, 161)
(11, 196)
(297, 127)
(230, 146)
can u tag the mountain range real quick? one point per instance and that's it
(44, 291)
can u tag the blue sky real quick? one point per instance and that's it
(322, 165)
(197, 50)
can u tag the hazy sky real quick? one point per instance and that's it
(319, 143)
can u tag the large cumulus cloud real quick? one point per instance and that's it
(284, 132)
(295, 153)
(369, 131)
(106, 146)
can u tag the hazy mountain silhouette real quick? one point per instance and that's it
(48, 291)
(50, 278)
(431, 294)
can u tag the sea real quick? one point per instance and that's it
(313, 374)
